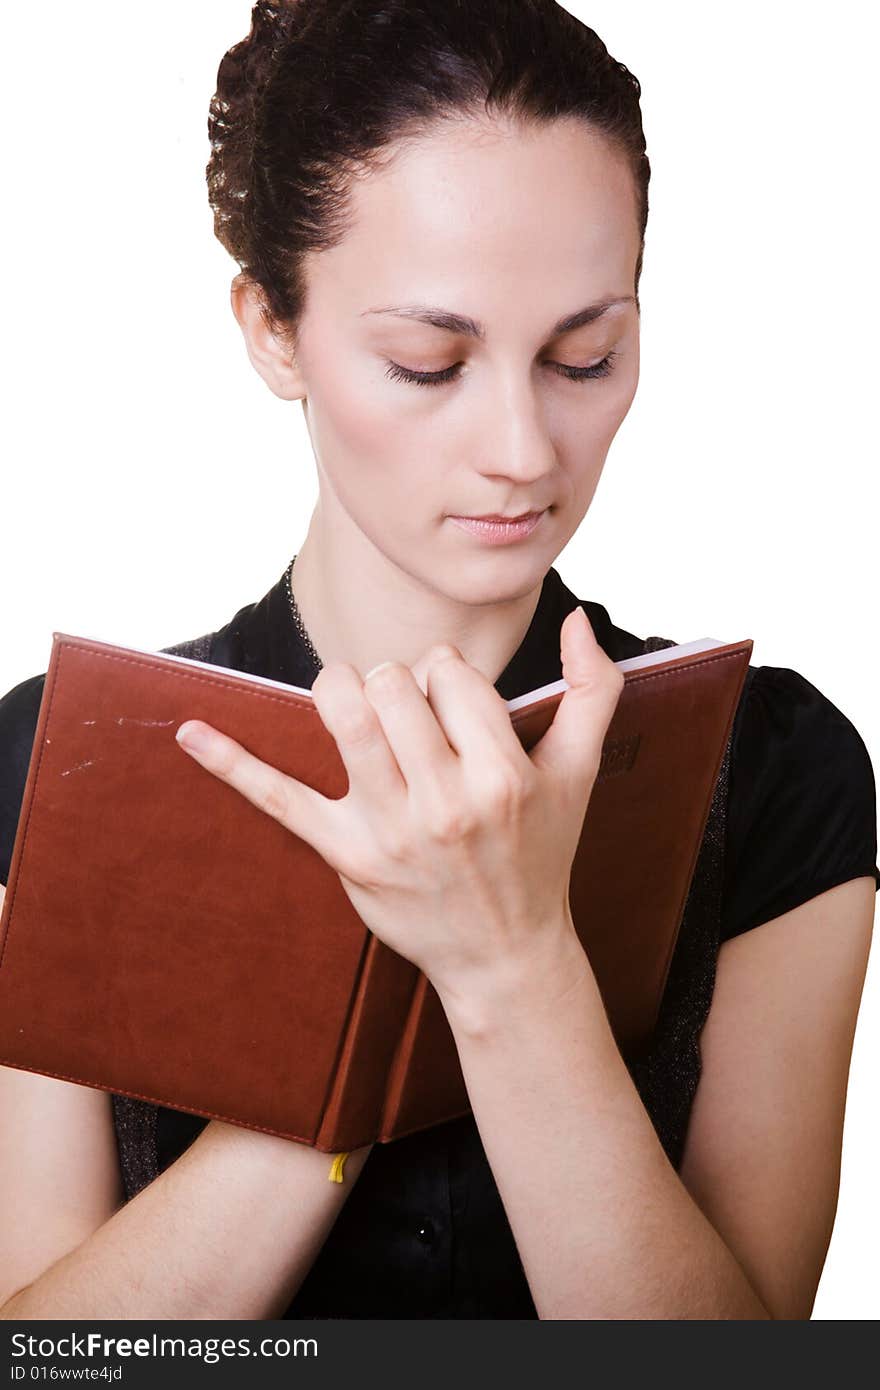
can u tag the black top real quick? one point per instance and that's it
(423, 1232)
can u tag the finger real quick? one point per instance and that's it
(299, 808)
(363, 746)
(416, 739)
(572, 746)
(420, 669)
(470, 710)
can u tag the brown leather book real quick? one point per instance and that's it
(162, 938)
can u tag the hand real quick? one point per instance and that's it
(453, 843)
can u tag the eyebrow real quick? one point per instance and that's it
(472, 328)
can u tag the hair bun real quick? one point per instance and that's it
(241, 78)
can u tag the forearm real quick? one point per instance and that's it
(603, 1224)
(229, 1230)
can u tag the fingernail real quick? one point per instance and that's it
(380, 667)
(192, 736)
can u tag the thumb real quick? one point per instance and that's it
(572, 746)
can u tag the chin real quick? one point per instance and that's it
(498, 581)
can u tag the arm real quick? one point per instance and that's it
(455, 848)
(605, 1227)
(229, 1230)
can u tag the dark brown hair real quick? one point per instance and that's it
(320, 89)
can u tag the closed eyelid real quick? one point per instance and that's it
(594, 346)
(604, 367)
(588, 354)
(423, 354)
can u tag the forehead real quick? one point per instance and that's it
(477, 207)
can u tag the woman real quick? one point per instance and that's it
(459, 354)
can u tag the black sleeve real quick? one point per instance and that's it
(802, 810)
(19, 709)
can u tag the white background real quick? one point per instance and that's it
(153, 485)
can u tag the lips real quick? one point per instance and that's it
(523, 516)
(500, 530)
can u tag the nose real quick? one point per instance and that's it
(519, 443)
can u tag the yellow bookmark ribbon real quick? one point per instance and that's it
(336, 1168)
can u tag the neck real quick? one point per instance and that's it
(361, 608)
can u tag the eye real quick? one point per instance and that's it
(603, 368)
(398, 373)
(599, 369)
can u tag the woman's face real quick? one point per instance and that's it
(505, 231)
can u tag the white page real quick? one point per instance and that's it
(531, 697)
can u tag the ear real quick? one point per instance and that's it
(270, 355)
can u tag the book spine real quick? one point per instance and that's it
(400, 1068)
(426, 1087)
(353, 1113)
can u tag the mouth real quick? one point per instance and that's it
(499, 530)
(523, 516)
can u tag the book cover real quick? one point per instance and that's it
(163, 938)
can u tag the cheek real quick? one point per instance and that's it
(587, 436)
(375, 457)
(592, 424)
(347, 418)
(589, 432)
(614, 410)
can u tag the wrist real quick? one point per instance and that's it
(519, 987)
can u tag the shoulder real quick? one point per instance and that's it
(19, 710)
(802, 813)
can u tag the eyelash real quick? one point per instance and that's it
(397, 373)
